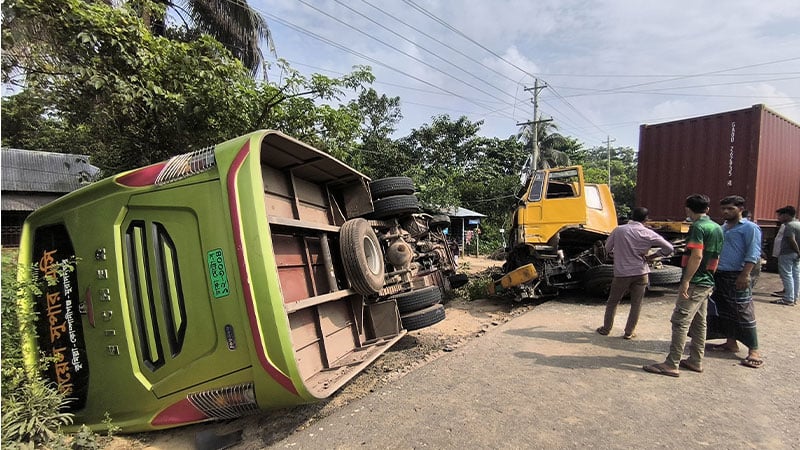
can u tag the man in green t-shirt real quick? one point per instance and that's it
(703, 245)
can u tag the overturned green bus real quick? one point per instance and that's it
(256, 274)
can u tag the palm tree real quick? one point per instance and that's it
(233, 23)
(550, 144)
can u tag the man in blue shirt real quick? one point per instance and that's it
(733, 298)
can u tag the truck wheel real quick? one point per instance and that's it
(386, 187)
(361, 256)
(439, 221)
(423, 318)
(598, 280)
(417, 299)
(396, 205)
(665, 275)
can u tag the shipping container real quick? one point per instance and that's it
(752, 152)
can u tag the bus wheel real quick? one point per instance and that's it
(396, 205)
(417, 299)
(423, 318)
(361, 256)
(386, 187)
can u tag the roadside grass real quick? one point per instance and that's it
(32, 414)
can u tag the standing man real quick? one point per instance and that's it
(732, 293)
(789, 256)
(630, 245)
(704, 244)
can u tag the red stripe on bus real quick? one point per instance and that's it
(273, 371)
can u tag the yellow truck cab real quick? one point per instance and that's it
(258, 273)
(558, 234)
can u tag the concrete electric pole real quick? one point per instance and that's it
(535, 122)
(608, 150)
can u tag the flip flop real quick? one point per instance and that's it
(782, 302)
(753, 363)
(629, 336)
(685, 364)
(660, 370)
(721, 348)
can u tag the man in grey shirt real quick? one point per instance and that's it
(789, 256)
(630, 244)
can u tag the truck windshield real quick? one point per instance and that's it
(563, 184)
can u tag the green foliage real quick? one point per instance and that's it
(477, 288)
(623, 174)
(31, 413)
(100, 83)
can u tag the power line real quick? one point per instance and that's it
(441, 42)
(367, 58)
(653, 91)
(399, 50)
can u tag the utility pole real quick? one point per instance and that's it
(535, 122)
(608, 150)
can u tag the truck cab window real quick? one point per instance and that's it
(563, 184)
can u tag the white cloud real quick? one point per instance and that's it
(613, 64)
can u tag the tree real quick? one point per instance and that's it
(623, 174)
(100, 73)
(441, 155)
(553, 146)
(377, 154)
(236, 25)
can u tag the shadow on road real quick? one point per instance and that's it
(591, 337)
(586, 362)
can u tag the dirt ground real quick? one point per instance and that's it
(465, 320)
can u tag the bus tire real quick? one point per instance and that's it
(417, 299)
(396, 205)
(423, 318)
(598, 280)
(361, 256)
(386, 187)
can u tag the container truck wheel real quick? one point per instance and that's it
(396, 205)
(598, 280)
(423, 318)
(665, 275)
(361, 256)
(417, 299)
(386, 187)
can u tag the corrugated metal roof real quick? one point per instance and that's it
(36, 171)
(461, 212)
(25, 202)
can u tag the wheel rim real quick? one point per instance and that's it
(372, 255)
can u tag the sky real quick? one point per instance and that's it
(608, 66)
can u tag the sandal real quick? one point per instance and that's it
(660, 369)
(782, 302)
(628, 336)
(685, 364)
(753, 363)
(603, 331)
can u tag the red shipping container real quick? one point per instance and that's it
(752, 152)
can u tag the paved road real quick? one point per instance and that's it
(547, 380)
